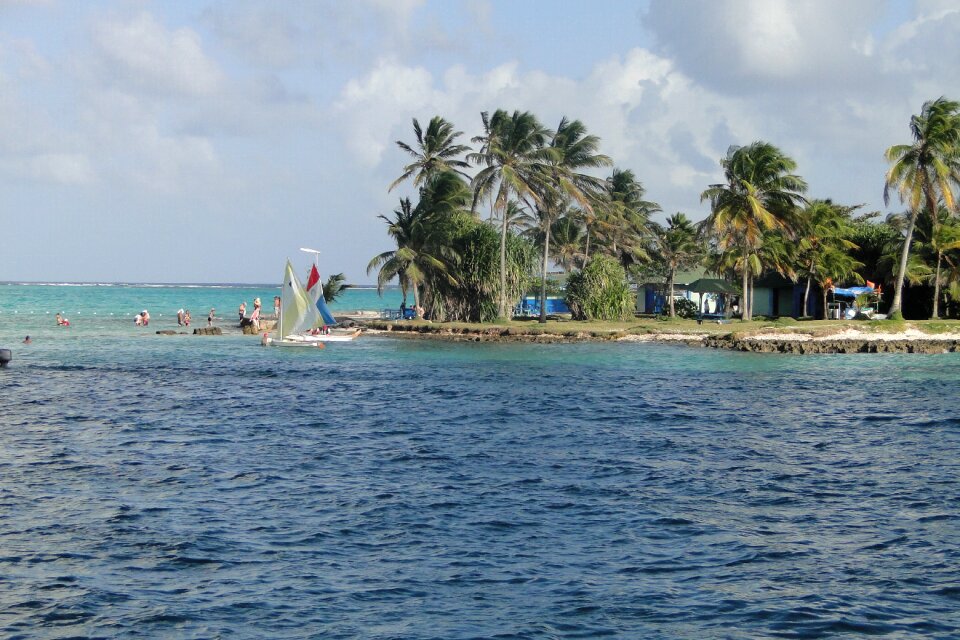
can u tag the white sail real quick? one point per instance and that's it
(297, 312)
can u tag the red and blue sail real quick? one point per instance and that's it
(315, 291)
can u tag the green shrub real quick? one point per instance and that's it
(600, 291)
(685, 308)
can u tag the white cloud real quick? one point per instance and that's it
(650, 117)
(742, 46)
(63, 168)
(143, 55)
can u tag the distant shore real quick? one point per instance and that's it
(780, 336)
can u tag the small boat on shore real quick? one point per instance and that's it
(304, 321)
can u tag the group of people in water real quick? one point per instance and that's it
(142, 319)
(254, 318)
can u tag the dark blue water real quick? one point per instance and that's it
(190, 488)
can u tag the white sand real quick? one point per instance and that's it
(663, 337)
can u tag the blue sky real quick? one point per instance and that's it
(207, 141)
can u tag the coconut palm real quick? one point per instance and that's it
(334, 286)
(436, 152)
(512, 154)
(676, 246)
(760, 194)
(620, 224)
(940, 235)
(401, 229)
(568, 241)
(916, 270)
(418, 257)
(572, 151)
(518, 217)
(824, 245)
(924, 172)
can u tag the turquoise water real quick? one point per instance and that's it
(198, 487)
(106, 307)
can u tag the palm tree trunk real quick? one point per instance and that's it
(586, 253)
(806, 297)
(825, 304)
(543, 276)
(936, 289)
(744, 311)
(503, 268)
(673, 275)
(416, 301)
(902, 269)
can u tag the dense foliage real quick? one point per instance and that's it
(600, 291)
(468, 247)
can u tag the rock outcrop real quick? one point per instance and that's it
(208, 331)
(832, 346)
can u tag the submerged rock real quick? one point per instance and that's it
(207, 331)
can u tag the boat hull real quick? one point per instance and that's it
(312, 341)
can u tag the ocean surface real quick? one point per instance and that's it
(206, 487)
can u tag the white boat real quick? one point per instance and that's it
(301, 316)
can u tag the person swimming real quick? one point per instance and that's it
(27, 340)
(61, 321)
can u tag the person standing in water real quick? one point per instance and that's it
(210, 317)
(242, 311)
(255, 316)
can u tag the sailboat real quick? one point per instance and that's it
(300, 316)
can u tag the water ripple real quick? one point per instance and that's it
(391, 489)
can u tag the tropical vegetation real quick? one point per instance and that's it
(524, 210)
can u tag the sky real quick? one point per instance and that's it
(207, 141)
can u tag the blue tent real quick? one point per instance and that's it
(852, 292)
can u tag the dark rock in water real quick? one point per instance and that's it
(5, 357)
(266, 326)
(833, 346)
(167, 332)
(208, 331)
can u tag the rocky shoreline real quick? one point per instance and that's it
(843, 345)
(842, 342)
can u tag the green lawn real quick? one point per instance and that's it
(640, 326)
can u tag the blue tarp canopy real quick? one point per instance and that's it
(852, 292)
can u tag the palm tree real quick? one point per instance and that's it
(518, 218)
(942, 235)
(418, 256)
(676, 247)
(568, 238)
(924, 172)
(401, 229)
(824, 245)
(916, 271)
(573, 150)
(512, 154)
(436, 152)
(760, 194)
(623, 216)
(334, 286)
